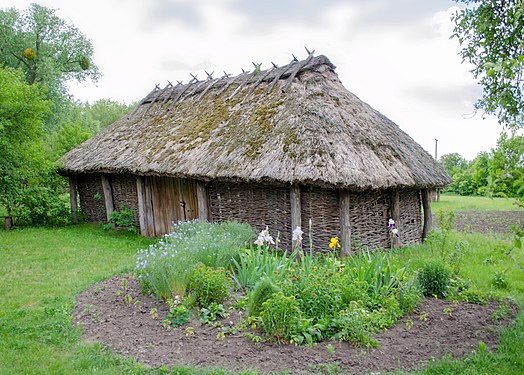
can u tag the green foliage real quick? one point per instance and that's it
(262, 291)
(29, 188)
(329, 292)
(254, 263)
(39, 333)
(498, 173)
(209, 285)
(123, 218)
(178, 313)
(351, 325)
(376, 271)
(212, 313)
(491, 33)
(434, 279)
(317, 292)
(48, 49)
(280, 316)
(500, 280)
(165, 268)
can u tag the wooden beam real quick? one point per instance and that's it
(426, 208)
(345, 222)
(149, 207)
(296, 211)
(73, 199)
(108, 196)
(202, 202)
(395, 215)
(141, 205)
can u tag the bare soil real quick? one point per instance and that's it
(488, 221)
(120, 317)
(115, 313)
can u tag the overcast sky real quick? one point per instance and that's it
(395, 55)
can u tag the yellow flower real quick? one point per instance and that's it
(334, 243)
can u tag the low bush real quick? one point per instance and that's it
(280, 316)
(209, 285)
(434, 279)
(263, 290)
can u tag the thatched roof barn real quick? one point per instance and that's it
(275, 147)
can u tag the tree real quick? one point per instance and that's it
(491, 33)
(506, 166)
(22, 110)
(49, 50)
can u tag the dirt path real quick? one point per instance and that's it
(130, 329)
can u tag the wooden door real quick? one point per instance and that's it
(166, 200)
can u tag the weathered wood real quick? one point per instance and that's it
(426, 208)
(73, 199)
(148, 204)
(141, 205)
(108, 196)
(202, 202)
(345, 222)
(296, 211)
(395, 215)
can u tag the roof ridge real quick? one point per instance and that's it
(257, 76)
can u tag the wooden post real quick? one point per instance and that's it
(151, 229)
(108, 196)
(395, 215)
(345, 222)
(296, 211)
(141, 205)
(8, 224)
(203, 202)
(73, 199)
(426, 207)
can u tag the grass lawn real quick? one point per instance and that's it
(43, 269)
(459, 203)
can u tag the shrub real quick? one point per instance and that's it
(316, 290)
(280, 316)
(209, 285)
(434, 279)
(263, 290)
(350, 326)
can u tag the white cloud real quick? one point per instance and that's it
(395, 55)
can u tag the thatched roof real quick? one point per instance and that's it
(293, 124)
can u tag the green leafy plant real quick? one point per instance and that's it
(254, 263)
(123, 218)
(434, 279)
(500, 280)
(280, 316)
(209, 285)
(178, 314)
(263, 290)
(212, 313)
(350, 325)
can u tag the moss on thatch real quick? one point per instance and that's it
(265, 127)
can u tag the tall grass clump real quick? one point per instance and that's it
(165, 268)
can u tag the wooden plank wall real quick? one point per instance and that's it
(164, 201)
